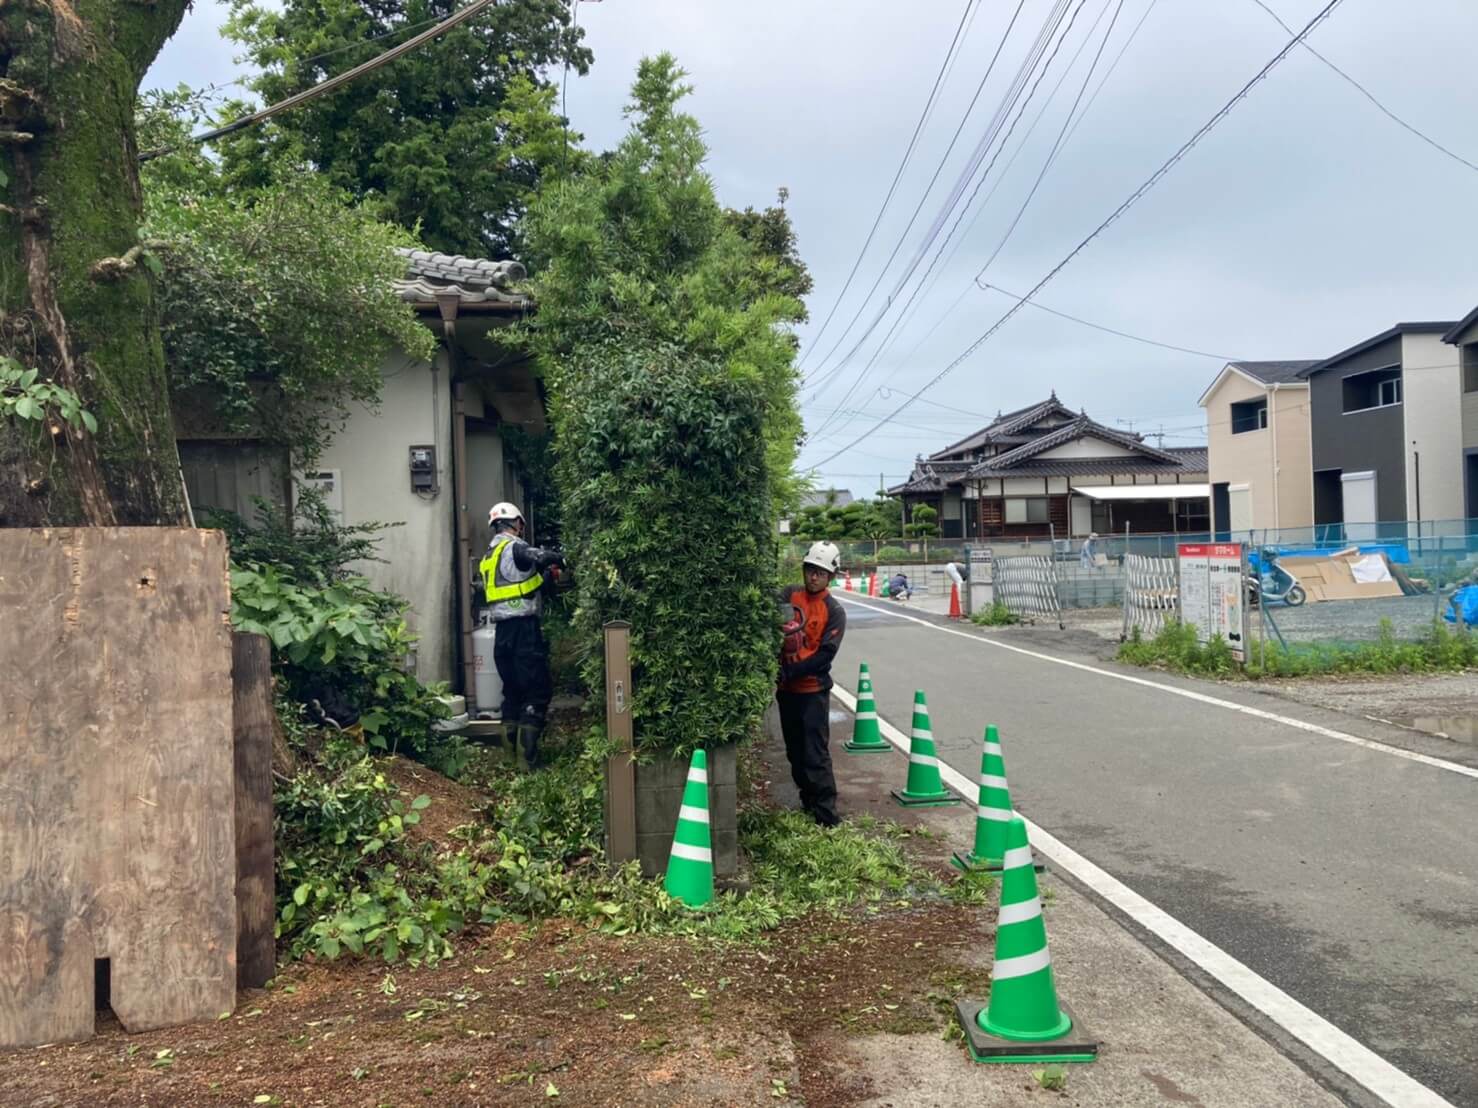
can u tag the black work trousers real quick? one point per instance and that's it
(522, 657)
(805, 720)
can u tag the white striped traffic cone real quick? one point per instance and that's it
(690, 865)
(1023, 1022)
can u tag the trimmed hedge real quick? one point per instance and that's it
(661, 465)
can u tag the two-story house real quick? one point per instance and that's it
(1387, 432)
(1257, 437)
(1464, 336)
(1045, 470)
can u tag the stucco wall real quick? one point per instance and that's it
(372, 455)
(1432, 393)
(1288, 419)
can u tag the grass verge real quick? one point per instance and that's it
(1440, 650)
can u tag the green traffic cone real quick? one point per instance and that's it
(690, 865)
(924, 788)
(867, 737)
(884, 590)
(1023, 1022)
(992, 811)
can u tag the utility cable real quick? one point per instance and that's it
(1004, 174)
(328, 85)
(1108, 330)
(939, 78)
(1113, 218)
(1057, 145)
(967, 173)
(938, 169)
(926, 286)
(1021, 106)
(985, 204)
(1365, 92)
(1009, 100)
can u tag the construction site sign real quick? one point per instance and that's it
(1212, 595)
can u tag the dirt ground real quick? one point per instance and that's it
(550, 1014)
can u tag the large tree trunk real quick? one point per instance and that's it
(75, 302)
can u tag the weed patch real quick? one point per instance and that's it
(1440, 650)
(997, 615)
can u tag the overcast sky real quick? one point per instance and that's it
(1303, 223)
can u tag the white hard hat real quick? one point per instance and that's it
(825, 555)
(503, 511)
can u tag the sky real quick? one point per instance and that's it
(1305, 221)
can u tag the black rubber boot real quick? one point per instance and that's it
(528, 746)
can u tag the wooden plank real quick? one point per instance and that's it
(251, 725)
(620, 767)
(116, 803)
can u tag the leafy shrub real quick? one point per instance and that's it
(313, 546)
(997, 615)
(343, 644)
(661, 460)
(894, 554)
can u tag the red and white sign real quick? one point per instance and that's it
(1211, 592)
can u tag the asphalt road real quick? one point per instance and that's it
(1348, 877)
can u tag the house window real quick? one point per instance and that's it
(1470, 367)
(1250, 415)
(1027, 510)
(1380, 388)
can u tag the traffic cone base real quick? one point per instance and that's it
(1023, 1021)
(924, 787)
(927, 800)
(1074, 1044)
(969, 862)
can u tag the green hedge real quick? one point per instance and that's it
(661, 466)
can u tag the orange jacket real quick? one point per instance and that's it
(806, 655)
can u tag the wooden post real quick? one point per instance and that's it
(251, 729)
(621, 766)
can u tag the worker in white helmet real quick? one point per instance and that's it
(814, 625)
(513, 574)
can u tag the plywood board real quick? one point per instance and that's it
(116, 808)
(256, 905)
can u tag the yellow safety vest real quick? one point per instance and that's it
(516, 590)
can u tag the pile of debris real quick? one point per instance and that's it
(1350, 575)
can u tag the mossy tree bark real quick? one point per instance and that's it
(76, 300)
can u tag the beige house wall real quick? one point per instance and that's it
(1274, 462)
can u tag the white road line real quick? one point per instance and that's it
(1313, 1030)
(1191, 694)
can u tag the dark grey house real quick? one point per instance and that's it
(1386, 433)
(1464, 336)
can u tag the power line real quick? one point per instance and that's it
(938, 169)
(1011, 99)
(1108, 330)
(1113, 217)
(924, 284)
(949, 311)
(1057, 145)
(1365, 92)
(970, 5)
(328, 85)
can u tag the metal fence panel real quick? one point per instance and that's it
(1150, 594)
(1027, 586)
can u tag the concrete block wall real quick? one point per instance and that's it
(659, 794)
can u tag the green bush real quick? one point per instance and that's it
(661, 463)
(894, 555)
(997, 615)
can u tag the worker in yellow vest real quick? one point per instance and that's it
(513, 573)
